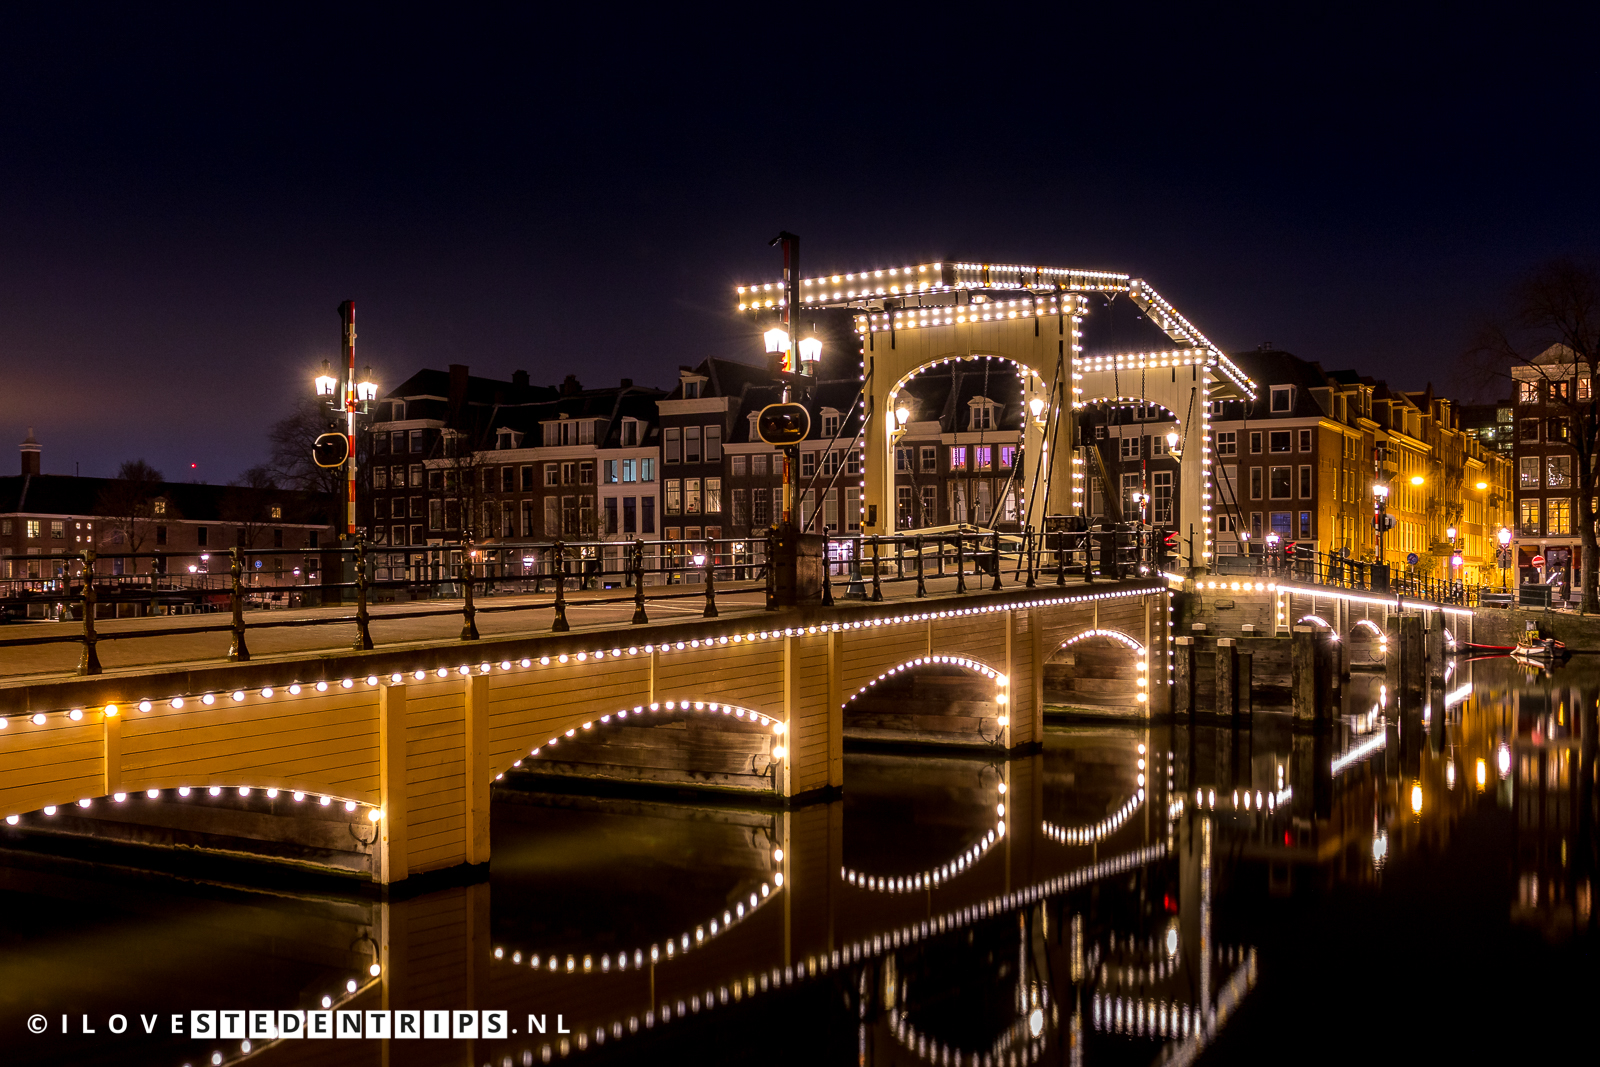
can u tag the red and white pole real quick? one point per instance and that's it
(347, 317)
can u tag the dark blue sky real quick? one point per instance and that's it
(184, 201)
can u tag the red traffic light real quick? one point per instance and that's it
(1169, 540)
(1288, 548)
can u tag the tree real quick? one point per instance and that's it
(1551, 335)
(128, 503)
(290, 466)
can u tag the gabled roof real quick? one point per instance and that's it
(61, 494)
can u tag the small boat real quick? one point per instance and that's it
(1474, 650)
(1531, 648)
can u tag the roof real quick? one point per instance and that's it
(64, 494)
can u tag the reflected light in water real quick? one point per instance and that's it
(1380, 847)
(1504, 760)
(1483, 774)
(1416, 798)
(1450, 774)
(1036, 1022)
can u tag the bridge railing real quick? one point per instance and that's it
(1332, 570)
(503, 577)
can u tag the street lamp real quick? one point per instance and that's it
(326, 382)
(1036, 405)
(810, 355)
(1505, 555)
(348, 396)
(1380, 499)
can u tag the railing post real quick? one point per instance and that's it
(363, 620)
(240, 652)
(560, 624)
(961, 568)
(1029, 546)
(922, 586)
(90, 663)
(877, 567)
(996, 586)
(469, 626)
(1088, 557)
(772, 569)
(1061, 557)
(637, 553)
(711, 579)
(827, 573)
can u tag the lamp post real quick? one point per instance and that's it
(1505, 555)
(1380, 500)
(348, 396)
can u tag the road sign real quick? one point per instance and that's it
(1537, 561)
(1411, 559)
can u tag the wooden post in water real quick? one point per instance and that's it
(1185, 685)
(1227, 703)
(1243, 658)
(1303, 673)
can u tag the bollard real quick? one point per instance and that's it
(961, 568)
(363, 641)
(90, 663)
(996, 586)
(1061, 558)
(1031, 548)
(877, 567)
(469, 612)
(1227, 702)
(1185, 672)
(772, 569)
(711, 577)
(639, 617)
(240, 652)
(560, 624)
(827, 573)
(1433, 639)
(922, 586)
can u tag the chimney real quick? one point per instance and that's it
(30, 454)
(570, 386)
(519, 379)
(458, 394)
(627, 383)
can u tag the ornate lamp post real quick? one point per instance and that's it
(1505, 555)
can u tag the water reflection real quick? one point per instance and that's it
(1131, 894)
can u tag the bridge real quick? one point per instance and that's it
(386, 757)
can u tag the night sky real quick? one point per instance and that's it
(185, 200)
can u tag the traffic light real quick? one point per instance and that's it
(1304, 551)
(1167, 548)
(331, 450)
(783, 424)
(1383, 523)
(1288, 550)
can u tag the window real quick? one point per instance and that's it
(1305, 525)
(611, 515)
(981, 455)
(202, 536)
(1305, 483)
(930, 505)
(1558, 472)
(397, 535)
(902, 459)
(380, 477)
(1530, 517)
(508, 479)
(741, 510)
(1278, 440)
(738, 465)
(159, 507)
(488, 479)
(830, 464)
(1282, 399)
(1130, 486)
(1305, 440)
(647, 469)
(808, 464)
(852, 462)
(609, 471)
(569, 473)
(982, 416)
(1281, 526)
(397, 441)
(1227, 524)
(1527, 392)
(691, 388)
(1585, 388)
(1527, 429)
(529, 510)
(830, 510)
(1528, 472)
(1558, 516)
(958, 457)
(930, 459)
(630, 515)
(1255, 525)
(1559, 391)
(569, 515)
(691, 496)
(671, 445)
(1227, 442)
(630, 433)
(1255, 442)
(414, 475)
(647, 514)
(629, 471)
(760, 515)
(713, 496)
(830, 424)
(586, 472)
(1128, 448)
(1255, 483)
(713, 444)
(552, 516)
(758, 465)
(58, 529)
(1279, 483)
(397, 477)
(1161, 497)
(674, 501)
(691, 444)
(1555, 429)
(902, 507)
(416, 441)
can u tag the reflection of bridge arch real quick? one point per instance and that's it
(933, 877)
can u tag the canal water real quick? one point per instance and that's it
(1415, 885)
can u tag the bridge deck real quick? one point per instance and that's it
(295, 633)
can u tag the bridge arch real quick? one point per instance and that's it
(1104, 653)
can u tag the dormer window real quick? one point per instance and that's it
(1282, 399)
(632, 432)
(160, 507)
(694, 386)
(982, 413)
(507, 439)
(830, 422)
(397, 410)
